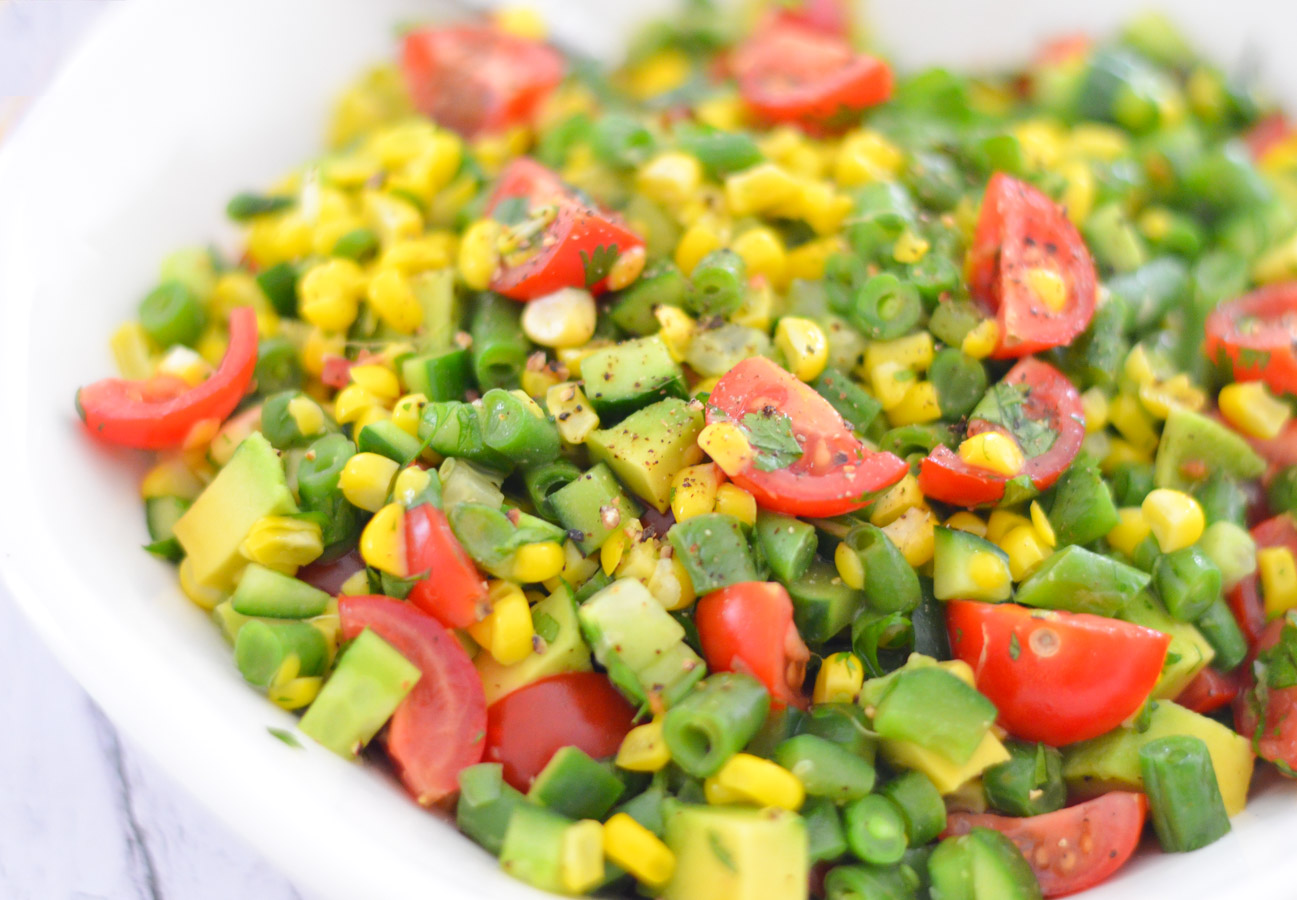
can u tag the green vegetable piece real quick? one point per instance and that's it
(564, 650)
(454, 429)
(576, 786)
(647, 448)
(1005, 404)
(779, 726)
(543, 480)
(851, 401)
(438, 376)
(1096, 355)
(714, 722)
(823, 604)
(261, 649)
(1282, 491)
(1079, 580)
(172, 314)
(960, 381)
(1130, 483)
(733, 852)
(1188, 583)
(953, 554)
(718, 346)
(161, 515)
(491, 536)
(517, 430)
(486, 804)
(875, 830)
(1191, 440)
(936, 710)
(714, 551)
(630, 376)
(891, 584)
(281, 427)
(1221, 630)
(920, 804)
(1222, 499)
(863, 882)
(826, 769)
(278, 367)
(981, 865)
(532, 850)
(826, 840)
(245, 206)
(886, 308)
(787, 543)
(1232, 549)
(843, 724)
(720, 152)
(317, 485)
(1184, 798)
(357, 244)
(1082, 510)
(661, 284)
(1029, 784)
(646, 808)
(1188, 654)
(386, 438)
(369, 681)
(592, 507)
(279, 284)
(265, 592)
(499, 351)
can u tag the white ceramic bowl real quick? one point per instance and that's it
(169, 109)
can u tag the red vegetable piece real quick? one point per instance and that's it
(748, 627)
(453, 591)
(1257, 334)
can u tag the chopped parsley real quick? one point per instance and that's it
(770, 433)
(598, 263)
(1005, 405)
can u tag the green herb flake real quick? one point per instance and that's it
(286, 737)
(544, 625)
(510, 211)
(721, 852)
(1015, 649)
(1005, 405)
(598, 263)
(243, 207)
(770, 433)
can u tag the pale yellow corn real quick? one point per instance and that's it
(732, 500)
(1120, 451)
(1175, 518)
(914, 352)
(910, 247)
(990, 571)
(967, 521)
(355, 586)
(282, 543)
(725, 111)
(185, 364)
(757, 308)
(677, 330)
(670, 584)
(394, 218)
(727, 446)
(804, 346)
(1130, 530)
(612, 550)
(410, 485)
(131, 351)
(1024, 549)
(171, 478)
(699, 239)
(671, 178)
(1094, 406)
(329, 294)
(1252, 409)
(407, 411)
(507, 632)
(1079, 191)
(577, 568)
(638, 850)
(522, 21)
(279, 238)
(317, 346)
(365, 480)
(382, 543)
(750, 779)
(1049, 286)
(626, 269)
(819, 205)
(306, 415)
(351, 402)
(295, 693)
(565, 318)
(1278, 572)
(919, 405)
(1138, 367)
(866, 156)
(1041, 523)
(479, 254)
(914, 535)
(537, 562)
(1160, 397)
(899, 497)
(994, 451)
(369, 417)
(643, 749)
(840, 679)
(203, 595)
(378, 379)
(981, 341)
(808, 260)
(431, 251)
(1132, 421)
(851, 569)
(764, 254)
(640, 560)
(664, 71)
(393, 300)
(1001, 522)
(762, 187)
(891, 381)
(581, 865)
(1042, 142)
(572, 412)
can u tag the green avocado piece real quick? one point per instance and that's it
(1191, 437)
(631, 375)
(1078, 580)
(735, 853)
(564, 651)
(1188, 653)
(648, 448)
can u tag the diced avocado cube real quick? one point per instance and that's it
(592, 507)
(1078, 580)
(631, 375)
(967, 567)
(574, 785)
(265, 592)
(735, 853)
(1193, 445)
(823, 604)
(981, 865)
(650, 446)
(931, 707)
(486, 804)
(1188, 653)
(251, 485)
(714, 551)
(566, 651)
(533, 846)
(947, 776)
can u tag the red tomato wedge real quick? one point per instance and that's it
(790, 71)
(161, 412)
(564, 240)
(1245, 599)
(578, 709)
(1209, 691)
(1257, 333)
(1051, 399)
(1276, 742)
(825, 16)
(1020, 232)
(1056, 677)
(835, 473)
(748, 627)
(454, 592)
(1069, 849)
(477, 79)
(437, 730)
(1265, 135)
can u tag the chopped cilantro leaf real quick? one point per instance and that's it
(770, 433)
(598, 263)
(1004, 405)
(510, 211)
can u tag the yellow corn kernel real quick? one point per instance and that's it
(1278, 572)
(382, 543)
(1252, 409)
(671, 178)
(572, 356)
(1042, 142)
(351, 402)
(840, 679)
(1138, 367)
(994, 451)
(565, 318)
(1118, 451)
(351, 170)
(537, 382)
(431, 251)
(577, 568)
(725, 111)
(1155, 222)
(1104, 143)
(899, 497)
(1094, 406)
(760, 188)
(1024, 549)
(317, 346)
(507, 632)
(171, 478)
(410, 485)
(638, 850)
(393, 300)
(757, 307)
(407, 411)
(981, 341)
(1041, 523)
(295, 693)
(378, 380)
(1175, 518)
(479, 254)
(306, 415)
(913, 534)
(670, 584)
(643, 749)
(1133, 422)
(732, 500)
(233, 289)
(727, 446)
(750, 779)
(185, 364)
(365, 480)
(910, 248)
(131, 349)
(763, 253)
(537, 562)
(804, 346)
(850, 567)
(914, 352)
(699, 239)
(1049, 286)
(329, 294)
(664, 71)
(1001, 522)
(808, 260)
(967, 521)
(581, 865)
(355, 586)
(524, 22)
(279, 238)
(283, 543)
(626, 269)
(204, 596)
(640, 560)
(919, 405)
(394, 218)
(1160, 397)
(611, 551)
(677, 330)
(1130, 530)
(572, 412)
(989, 571)
(693, 490)
(890, 381)
(818, 205)
(866, 156)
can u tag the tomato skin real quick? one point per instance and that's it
(1056, 677)
(1209, 691)
(160, 413)
(1268, 350)
(803, 74)
(1051, 397)
(848, 473)
(454, 593)
(748, 627)
(476, 79)
(1244, 598)
(526, 178)
(578, 709)
(437, 729)
(1277, 742)
(1265, 135)
(1019, 229)
(1069, 849)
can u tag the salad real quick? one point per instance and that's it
(755, 473)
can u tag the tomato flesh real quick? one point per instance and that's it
(1244, 598)
(1257, 333)
(835, 474)
(1209, 691)
(437, 730)
(1021, 230)
(453, 591)
(1051, 398)
(477, 79)
(1069, 849)
(748, 627)
(160, 413)
(578, 709)
(1056, 677)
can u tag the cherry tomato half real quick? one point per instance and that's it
(748, 627)
(437, 730)
(1069, 849)
(477, 79)
(578, 709)
(1209, 691)
(1056, 677)
(1269, 718)
(161, 412)
(1267, 134)
(1023, 244)
(453, 592)
(1257, 333)
(1050, 398)
(835, 473)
